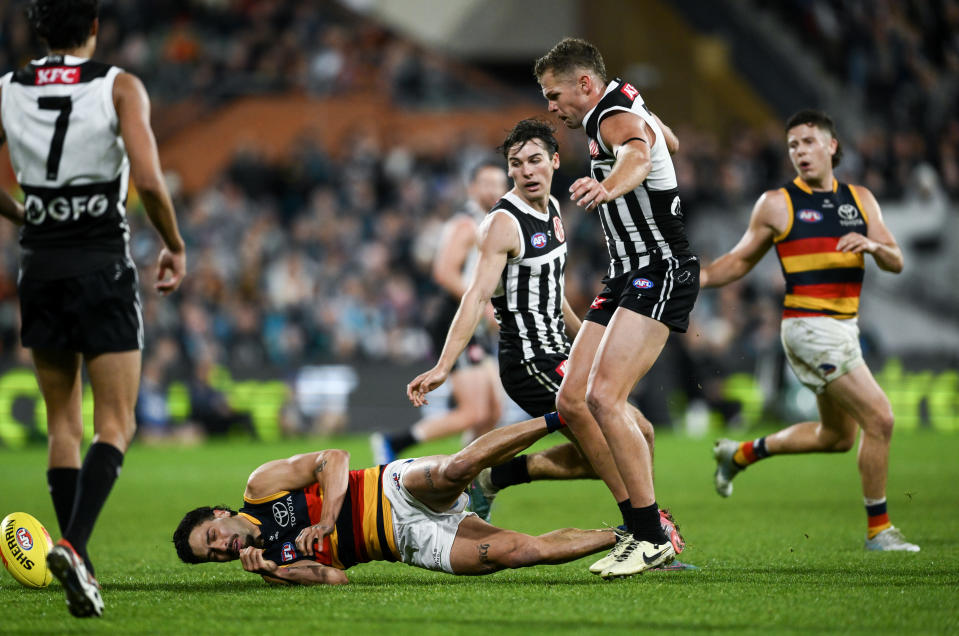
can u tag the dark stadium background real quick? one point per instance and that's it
(314, 149)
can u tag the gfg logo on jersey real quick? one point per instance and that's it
(629, 91)
(64, 208)
(810, 216)
(538, 240)
(643, 283)
(288, 554)
(24, 539)
(57, 75)
(558, 229)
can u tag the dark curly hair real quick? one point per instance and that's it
(821, 121)
(568, 55)
(63, 24)
(181, 537)
(530, 129)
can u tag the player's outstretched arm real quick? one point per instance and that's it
(298, 573)
(878, 240)
(328, 468)
(133, 111)
(498, 239)
(769, 218)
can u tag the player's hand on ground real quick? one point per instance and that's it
(856, 243)
(424, 383)
(588, 193)
(253, 561)
(171, 268)
(309, 536)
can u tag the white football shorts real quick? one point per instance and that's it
(821, 349)
(424, 537)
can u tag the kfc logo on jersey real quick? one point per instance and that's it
(810, 216)
(593, 148)
(288, 553)
(538, 240)
(629, 91)
(57, 75)
(558, 229)
(561, 369)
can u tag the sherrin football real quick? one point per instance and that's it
(24, 544)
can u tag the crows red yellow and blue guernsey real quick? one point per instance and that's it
(363, 531)
(821, 281)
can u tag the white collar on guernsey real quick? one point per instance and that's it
(69, 60)
(518, 201)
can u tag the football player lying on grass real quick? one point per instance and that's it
(307, 518)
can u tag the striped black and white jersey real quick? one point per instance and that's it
(646, 225)
(70, 160)
(529, 298)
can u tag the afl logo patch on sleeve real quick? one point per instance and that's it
(538, 240)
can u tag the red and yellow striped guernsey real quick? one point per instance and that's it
(363, 530)
(821, 281)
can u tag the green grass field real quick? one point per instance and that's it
(783, 555)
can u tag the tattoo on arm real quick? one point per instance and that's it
(484, 553)
(319, 469)
(429, 478)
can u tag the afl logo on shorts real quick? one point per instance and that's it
(810, 216)
(538, 240)
(643, 283)
(558, 229)
(24, 539)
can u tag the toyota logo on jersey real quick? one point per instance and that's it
(538, 240)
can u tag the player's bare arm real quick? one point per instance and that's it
(299, 573)
(769, 218)
(573, 323)
(631, 138)
(133, 110)
(10, 208)
(458, 237)
(498, 240)
(329, 468)
(878, 240)
(672, 141)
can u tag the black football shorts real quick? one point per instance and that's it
(665, 291)
(533, 383)
(94, 313)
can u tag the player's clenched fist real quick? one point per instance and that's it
(309, 536)
(253, 561)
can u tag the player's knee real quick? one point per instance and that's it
(459, 468)
(881, 423)
(600, 402)
(844, 442)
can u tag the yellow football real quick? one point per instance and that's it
(24, 544)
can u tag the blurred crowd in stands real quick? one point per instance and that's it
(318, 258)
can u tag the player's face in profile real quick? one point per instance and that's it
(220, 539)
(810, 150)
(531, 169)
(488, 186)
(564, 97)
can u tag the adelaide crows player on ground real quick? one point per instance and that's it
(76, 130)
(307, 518)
